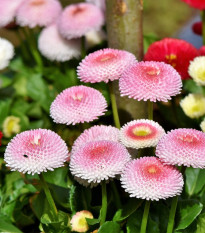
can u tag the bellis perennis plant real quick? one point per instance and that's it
(93, 134)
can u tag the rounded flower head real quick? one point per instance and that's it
(198, 4)
(8, 11)
(183, 147)
(197, 70)
(175, 52)
(96, 133)
(78, 221)
(41, 13)
(54, 47)
(11, 125)
(77, 19)
(148, 178)
(98, 160)
(104, 65)
(202, 125)
(193, 105)
(36, 151)
(6, 53)
(197, 28)
(78, 104)
(150, 81)
(141, 133)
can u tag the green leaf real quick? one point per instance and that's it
(201, 223)
(191, 86)
(188, 212)
(127, 210)
(134, 222)
(39, 91)
(8, 227)
(5, 81)
(20, 84)
(92, 221)
(4, 109)
(111, 227)
(195, 180)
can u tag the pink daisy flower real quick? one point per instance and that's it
(41, 13)
(154, 81)
(78, 104)
(96, 133)
(177, 53)
(54, 47)
(148, 178)
(99, 160)
(8, 11)
(141, 133)
(183, 147)
(36, 151)
(77, 19)
(104, 65)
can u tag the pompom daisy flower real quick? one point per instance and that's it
(141, 133)
(6, 53)
(78, 104)
(36, 151)
(104, 65)
(8, 11)
(193, 105)
(202, 125)
(98, 160)
(183, 147)
(154, 81)
(148, 178)
(175, 52)
(11, 125)
(197, 28)
(78, 221)
(54, 47)
(96, 133)
(78, 19)
(41, 13)
(198, 4)
(197, 70)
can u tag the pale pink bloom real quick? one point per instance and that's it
(78, 19)
(41, 13)
(150, 80)
(183, 147)
(78, 221)
(104, 65)
(54, 47)
(78, 104)
(8, 11)
(98, 160)
(148, 178)
(36, 151)
(141, 133)
(96, 133)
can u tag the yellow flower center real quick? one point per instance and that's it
(171, 59)
(201, 74)
(142, 131)
(152, 170)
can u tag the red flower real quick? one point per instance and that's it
(199, 4)
(175, 52)
(202, 51)
(1, 135)
(197, 28)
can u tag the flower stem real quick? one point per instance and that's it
(83, 50)
(103, 211)
(172, 215)
(116, 195)
(203, 26)
(150, 110)
(114, 105)
(49, 197)
(145, 217)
